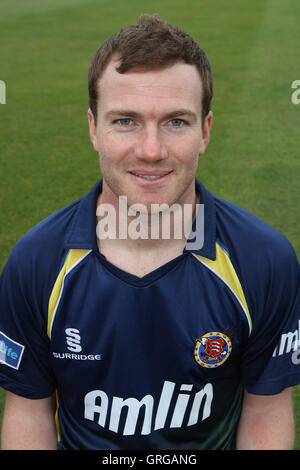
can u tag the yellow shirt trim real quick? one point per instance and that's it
(224, 269)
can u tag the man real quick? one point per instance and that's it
(150, 342)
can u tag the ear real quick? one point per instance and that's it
(93, 130)
(206, 132)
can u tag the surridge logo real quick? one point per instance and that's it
(170, 412)
(73, 339)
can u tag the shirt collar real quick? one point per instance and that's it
(82, 233)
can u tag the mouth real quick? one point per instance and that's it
(150, 175)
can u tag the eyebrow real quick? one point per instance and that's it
(130, 113)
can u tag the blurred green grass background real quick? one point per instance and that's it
(46, 159)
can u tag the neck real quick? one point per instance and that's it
(137, 244)
(121, 225)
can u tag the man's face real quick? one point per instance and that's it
(149, 134)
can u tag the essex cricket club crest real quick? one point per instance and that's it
(213, 349)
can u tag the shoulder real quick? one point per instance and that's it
(263, 257)
(34, 261)
(32, 267)
(45, 237)
(249, 236)
(36, 258)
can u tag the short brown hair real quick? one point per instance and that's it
(151, 43)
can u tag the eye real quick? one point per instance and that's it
(177, 122)
(124, 121)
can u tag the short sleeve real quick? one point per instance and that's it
(25, 367)
(271, 359)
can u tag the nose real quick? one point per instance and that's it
(151, 145)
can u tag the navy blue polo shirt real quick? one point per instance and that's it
(153, 362)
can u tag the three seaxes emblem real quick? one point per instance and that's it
(213, 349)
